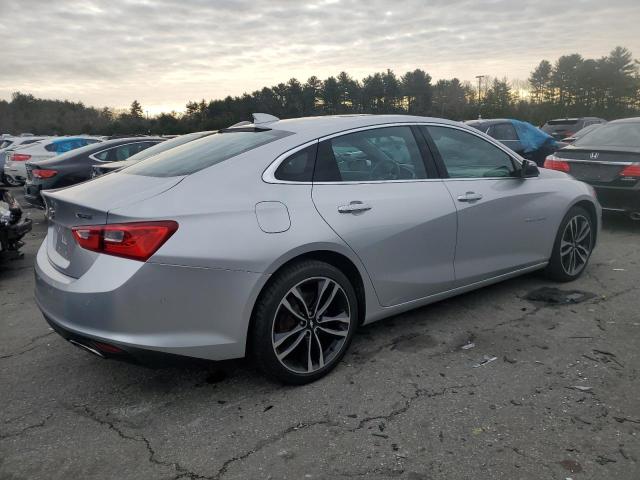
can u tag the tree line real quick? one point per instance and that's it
(607, 87)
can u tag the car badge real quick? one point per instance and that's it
(594, 155)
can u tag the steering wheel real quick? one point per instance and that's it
(385, 170)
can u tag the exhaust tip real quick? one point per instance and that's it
(86, 348)
(634, 216)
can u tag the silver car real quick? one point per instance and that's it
(280, 237)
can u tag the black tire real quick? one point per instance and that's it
(11, 182)
(270, 314)
(557, 269)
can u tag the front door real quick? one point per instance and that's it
(500, 214)
(372, 188)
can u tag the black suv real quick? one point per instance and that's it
(561, 128)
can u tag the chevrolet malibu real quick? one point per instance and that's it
(279, 238)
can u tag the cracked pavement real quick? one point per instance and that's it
(561, 399)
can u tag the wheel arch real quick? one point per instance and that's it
(590, 207)
(339, 260)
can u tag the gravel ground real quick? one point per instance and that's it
(560, 400)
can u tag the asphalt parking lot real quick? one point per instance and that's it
(540, 390)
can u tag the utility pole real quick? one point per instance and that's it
(480, 78)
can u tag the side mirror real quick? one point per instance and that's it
(529, 169)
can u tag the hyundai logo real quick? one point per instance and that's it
(594, 155)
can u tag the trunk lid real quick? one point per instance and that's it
(599, 166)
(89, 203)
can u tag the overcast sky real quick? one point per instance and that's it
(166, 52)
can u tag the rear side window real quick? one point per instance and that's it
(298, 167)
(205, 152)
(379, 154)
(122, 152)
(503, 131)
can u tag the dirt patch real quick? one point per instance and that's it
(556, 296)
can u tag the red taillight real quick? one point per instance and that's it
(20, 157)
(38, 173)
(632, 170)
(554, 163)
(137, 241)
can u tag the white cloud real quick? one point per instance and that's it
(166, 52)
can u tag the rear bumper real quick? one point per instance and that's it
(135, 306)
(618, 199)
(16, 170)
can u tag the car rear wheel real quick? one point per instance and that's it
(12, 182)
(304, 322)
(573, 246)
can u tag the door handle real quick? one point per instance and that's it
(470, 197)
(354, 207)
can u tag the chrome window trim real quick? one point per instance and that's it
(599, 162)
(92, 156)
(268, 176)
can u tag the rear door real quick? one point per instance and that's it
(374, 189)
(501, 216)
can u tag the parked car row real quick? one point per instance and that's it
(523, 138)
(75, 166)
(9, 144)
(561, 128)
(603, 154)
(34, 148)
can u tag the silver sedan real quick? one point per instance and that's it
(279, 238)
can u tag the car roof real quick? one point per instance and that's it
(626, 120)
(121, 141)
(488, 121)
(315, 127)
(573, 119)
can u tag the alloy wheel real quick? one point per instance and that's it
(311, 325)
(575, 245)
(12, 182)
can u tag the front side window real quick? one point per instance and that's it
(389, 153)
(468, 156)
(503, 131)
(202, 153)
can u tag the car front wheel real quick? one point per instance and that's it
(573, 246)
(304, 322)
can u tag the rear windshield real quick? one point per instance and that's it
(167, 145)
(563, 122)
(203, 153)
(612, 135)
